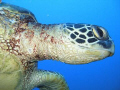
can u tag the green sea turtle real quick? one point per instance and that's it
(24, 41)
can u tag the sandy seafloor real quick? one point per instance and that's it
(100, 75)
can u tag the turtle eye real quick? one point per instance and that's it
(100, 33)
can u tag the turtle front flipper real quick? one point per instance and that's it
(46, 80)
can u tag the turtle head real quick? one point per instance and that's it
(89, 43)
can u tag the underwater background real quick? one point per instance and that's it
(99, 75)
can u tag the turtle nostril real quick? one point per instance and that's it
(100, 33)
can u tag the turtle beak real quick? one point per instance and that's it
(111, 54)
(112, 49)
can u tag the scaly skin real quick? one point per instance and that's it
(24, 41)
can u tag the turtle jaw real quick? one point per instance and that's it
(100, 51)
(107, 45)
(83, 55)
(112, 50)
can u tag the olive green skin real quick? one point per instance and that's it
(18, 64)
(24, 41)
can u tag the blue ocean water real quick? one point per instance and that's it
(100, 75)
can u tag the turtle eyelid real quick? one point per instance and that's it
(100, 33)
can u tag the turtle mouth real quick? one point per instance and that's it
(101, 50)
(111, 49)
(111, 54)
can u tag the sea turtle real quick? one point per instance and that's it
(24, 42)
